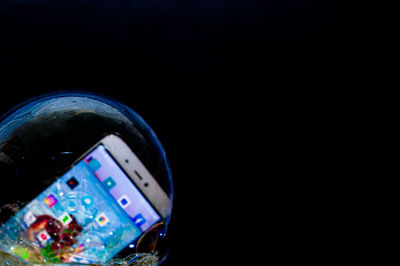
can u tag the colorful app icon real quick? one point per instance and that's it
(50, 200)
(102, 219)
(139, 220)
(124, 201)
(72, 183)
(87, 201)
(94, 165)
(29, 218)
(43, 237)
(109, 183)
(65, 218)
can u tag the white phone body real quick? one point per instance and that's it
(137, 173)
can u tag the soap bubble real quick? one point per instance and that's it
(51, 212)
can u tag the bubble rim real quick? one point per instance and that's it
(132, 115)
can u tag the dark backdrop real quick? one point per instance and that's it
(214, 78)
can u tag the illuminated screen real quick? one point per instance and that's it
(94, 209)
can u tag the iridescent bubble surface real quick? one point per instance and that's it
(39, 141)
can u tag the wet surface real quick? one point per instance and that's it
(53, 213)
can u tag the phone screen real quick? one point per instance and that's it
(94, 209)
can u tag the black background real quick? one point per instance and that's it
(215, 79)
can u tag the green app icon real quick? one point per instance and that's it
(109, 183)
(94, 165)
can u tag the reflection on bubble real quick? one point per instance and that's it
(38, 141)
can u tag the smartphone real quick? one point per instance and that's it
(97, 209)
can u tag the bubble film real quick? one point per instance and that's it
(60, 201)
